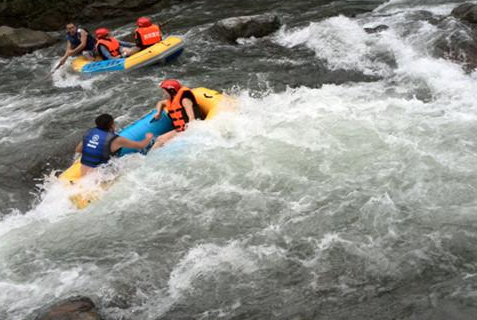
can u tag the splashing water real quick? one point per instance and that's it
(342, 199)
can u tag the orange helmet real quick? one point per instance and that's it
(171, 84)
(143, 22)
(101, 33)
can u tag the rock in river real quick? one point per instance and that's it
(466, 12)
(245, 26)
(14, 42)
(76, 308)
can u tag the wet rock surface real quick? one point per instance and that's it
(53, 15)
(466, 12)
(75, 308)
(231, 29)
(381, 27)
(459, 42)
(19, 41)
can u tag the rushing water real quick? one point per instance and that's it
(343, 187)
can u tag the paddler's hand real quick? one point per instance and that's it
(62, 62)
(70, 53)
(149, 136)
(157, 116)
(77, 156)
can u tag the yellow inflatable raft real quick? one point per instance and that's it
(165, 50)
(210, 102)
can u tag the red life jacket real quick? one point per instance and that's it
(149, 35)
(176, 111)
(111, 44)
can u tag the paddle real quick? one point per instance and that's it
(57, 67)
(165, 22)
(49, 74)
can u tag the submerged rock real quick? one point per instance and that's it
(14, 42)
(76, 308)
(231, 29)
(466, 12)
(377, 29)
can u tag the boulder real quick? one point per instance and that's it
(376, 29)
(457, 49)
(75, 308)
(466, 12)
(458, 44)
(53, 15)
(14, 42)
(245, 27)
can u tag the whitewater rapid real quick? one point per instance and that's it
(307, 202)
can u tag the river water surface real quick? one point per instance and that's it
(342, 187)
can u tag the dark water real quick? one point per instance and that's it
(343, 186)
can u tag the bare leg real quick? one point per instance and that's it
(164, 138)
(88, 55)
(85, 170)
(130, 51)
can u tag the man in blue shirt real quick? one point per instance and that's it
(99, 144)
(79, 41)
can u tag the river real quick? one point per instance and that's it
(342, 187)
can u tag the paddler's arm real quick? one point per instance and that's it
(126, 44)
(105, 53)
(78, 151)
(65, 56)
(159, 106)
(126, 48)
(82, 45)
(121, 142)
(79, 147)
(189, 108)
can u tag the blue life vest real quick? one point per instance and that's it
(97, 147)
(76, 40)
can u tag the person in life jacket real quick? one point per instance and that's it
(79, 41)
(108, 47)
(146, 35)
(99, 144)
(182, 108)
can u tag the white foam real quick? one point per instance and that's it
(247, 41)
(23, 298)
(397, 6)
(340, 41)
(24, 117)
(66, 78)
(54, 200)
(205, 260)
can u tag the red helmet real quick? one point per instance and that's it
(171, 84)
(101, 32)
(143, 22)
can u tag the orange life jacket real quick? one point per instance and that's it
(112, 44)
(149, 35)
(176, 111)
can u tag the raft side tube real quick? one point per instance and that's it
(137, 130)
(212, 102)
